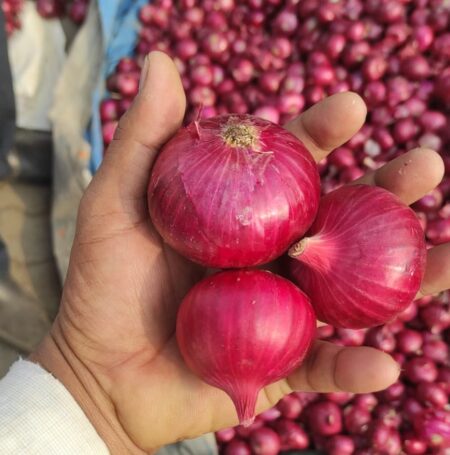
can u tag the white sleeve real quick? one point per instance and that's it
(38, 416)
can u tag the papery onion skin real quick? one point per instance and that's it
(242, 330)
(364, 258)
(233, 206)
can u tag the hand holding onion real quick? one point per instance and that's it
(113, 344)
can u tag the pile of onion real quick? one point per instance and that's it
(273, 59)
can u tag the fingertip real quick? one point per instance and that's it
(330, 123)
(365, 370)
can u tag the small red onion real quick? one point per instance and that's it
(201, 321)
(415, 67)
(292, 436)
(423, 35)
(394, 392)
(50, 9)
(128, 84)
(264, 441)
(436, 317)
(290, 406)
(237, 447)
(409, 341)
(109, 110)
(270, 415)
(356, 419)
(77, 11)
(374, 93)
(357, 308)
(434, 427)
(374, 67)
(108, 131)
(367, 401)
(340, 445)
(411, 407)
(324, 418)
(286, 22)
(438, 231)
(342, 157)
(350, 337)
(269, 113)
(432, 395)
(420, 369)
(225, 435)
(202, 96)
(387, 415)
(405, 130)
(291, 103)
(436, 350)
(413, 445)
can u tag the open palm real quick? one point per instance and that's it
(124, 286)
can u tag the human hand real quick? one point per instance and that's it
(113, 343)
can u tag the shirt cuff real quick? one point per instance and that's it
(39, 416)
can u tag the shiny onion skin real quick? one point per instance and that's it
(241, 330)
(233, 191)
(363, 260)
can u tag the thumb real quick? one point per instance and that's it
(155, 115)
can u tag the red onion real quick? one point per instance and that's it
(387, 415)
(128, 84)
(225, 435)
(249, 329)
(77, 11)
(109, 110)
(324, 418)
(436, 317)
(108, 131)
(340, 445)
(347, 295)
(342, 157)
(260, 227)
(432, 395)
(374, 67)
(366, 401)
(438, 231)
(415, 67)
(237, 447)
(434, 427)
(339, 397)
(356, 419)
(268, 113)
(270, 415)
(350, 337)
(290, 406)
(409, 313)
(420, 369)
(292, 436)
(413, 445)
(409, 341)
(436, 350)
(411, 407)
(50, 8)
(394, 392)
(264, 441)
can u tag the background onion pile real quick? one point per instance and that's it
(275, 58)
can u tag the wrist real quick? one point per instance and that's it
(55, 356)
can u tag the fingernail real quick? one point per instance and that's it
(144, 74)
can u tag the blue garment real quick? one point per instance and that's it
(120, 27)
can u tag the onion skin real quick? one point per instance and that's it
(233, 206)
(363, 260)
(242, 330)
